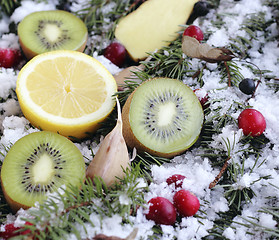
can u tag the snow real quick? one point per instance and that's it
(28, 7)
(261, 175)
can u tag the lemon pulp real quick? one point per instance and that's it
(66, 91)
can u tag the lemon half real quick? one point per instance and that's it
(66, 91)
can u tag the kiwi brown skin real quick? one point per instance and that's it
(15, 206)
(28, 53)
(130, 138)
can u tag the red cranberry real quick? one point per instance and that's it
(194, 31)
(161, 211)
(252, 122)
(177, 179)
(12, 231)
(116, 53)
(9, 58)
(186, 203)
(203, 97)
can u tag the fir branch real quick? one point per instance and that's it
(58, 216)
(8, 6)
(230, 72)
(168, 62)
(101, 23)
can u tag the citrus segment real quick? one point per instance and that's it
(66, 91)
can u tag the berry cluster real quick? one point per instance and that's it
(185, 204)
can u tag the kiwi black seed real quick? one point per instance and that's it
(46, 31)
(38, 164)
(162, 116)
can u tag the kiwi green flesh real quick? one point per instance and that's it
(165, 115)
(45, 31)
(38, 164)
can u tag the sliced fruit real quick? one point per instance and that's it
(39, 164)
(162, 116)
(152, 26)
(66, 92)
(45, 31)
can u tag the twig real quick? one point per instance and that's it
(217, 178)
(229, 74)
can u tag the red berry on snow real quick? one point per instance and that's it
(12, 231)
(203, 97)
(9, 57)
(194, 31)
(177, 179)
(251, 122)
(161, 211)
(186, 203)
(116, 53)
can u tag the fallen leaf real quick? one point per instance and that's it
(127, 74)
(193, 48)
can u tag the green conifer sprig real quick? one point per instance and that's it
(61, 213)
(8, 6)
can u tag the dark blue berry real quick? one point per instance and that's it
(201, 8)
(247, 86)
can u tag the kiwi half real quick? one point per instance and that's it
(46, 31)
(162, 116)
(39, 164)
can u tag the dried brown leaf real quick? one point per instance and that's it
(127, 73)
(190, 47)
(193, 48)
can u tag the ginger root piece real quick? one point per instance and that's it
(152, 26)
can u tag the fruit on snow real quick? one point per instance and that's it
(11, 231)
(247, 86)
(38, 164)
(201, 8)
(161, 211)
(72, 105)
(186, 203)
(194, 31)
(153, 25)
(252, 122)
(9, 57)
(45, 31)
(177, 179)
(116, 53)
(203, 97)
(162, 116)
